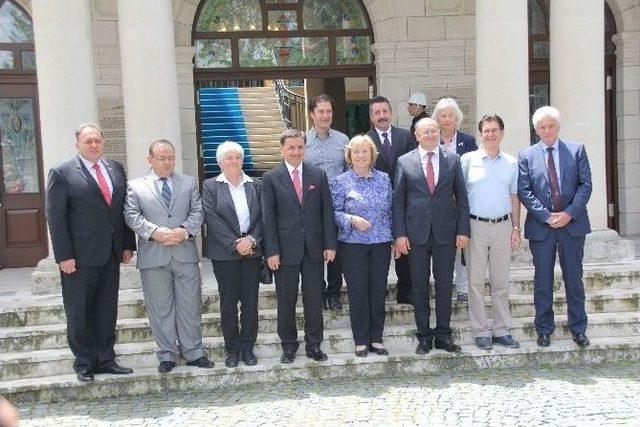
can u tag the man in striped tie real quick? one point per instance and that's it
(85, 198)
(165, 211)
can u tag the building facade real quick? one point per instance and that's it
(134, 66)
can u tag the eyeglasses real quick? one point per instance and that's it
(164, 158)
(490, 131)
(430, 132)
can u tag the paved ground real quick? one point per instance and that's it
(581, 396)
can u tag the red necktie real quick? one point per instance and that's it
(556, 200)
(431, 179)
(295, 177)
(102, 183)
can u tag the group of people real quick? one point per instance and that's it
(430, 199)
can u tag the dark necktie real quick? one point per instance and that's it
(102, 183)
(166, 191)
(386, 147)
(556, 199)
(431, 177)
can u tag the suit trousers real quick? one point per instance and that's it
(287, 278)
(90, 297)
(489, 245)
(366, 267)
(173, 296)
(238, 281)
(403, 272)
(420, 257)
(571, 251)
(460, 274)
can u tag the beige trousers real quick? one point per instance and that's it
(489, 245)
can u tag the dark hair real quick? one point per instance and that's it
(491, 118)
(322, 97)
(157, 142)
(292, 133)
(377, 100)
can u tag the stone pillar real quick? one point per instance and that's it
(502, 68)
(577, 87)
(628, 112)
(66, 81)
(149, 79)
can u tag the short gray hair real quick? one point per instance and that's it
(83, 126)
(448, 103)
(228, 147)
(546, 111)
(423, 121)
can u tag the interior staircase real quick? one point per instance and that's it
(36, 364)
(249, 116)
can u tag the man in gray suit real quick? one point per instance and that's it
(431, 220)
(165, 211)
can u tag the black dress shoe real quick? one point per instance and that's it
(288, 357)
(316, 354)
(114, 368)
(85, 374)
(446, 344)
(201, 362)
(581, 340)
(424, 346)
(334, 304)
(232, 359)
(166, 366)
(544, 340)
(361, 353)
(248, 358)
(380, 351)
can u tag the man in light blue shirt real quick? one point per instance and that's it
(325, 149)
(491, 178)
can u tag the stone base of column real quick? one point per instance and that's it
(601, 246)
(45, 278)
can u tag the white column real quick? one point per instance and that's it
(66, 81)
(149, 79)
(577, 87)
(502, 68)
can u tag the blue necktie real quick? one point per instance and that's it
(166, 191)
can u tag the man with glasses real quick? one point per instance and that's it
(491, 178)
(430, 221)
(165, 211)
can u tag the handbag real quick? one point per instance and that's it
(266, 276)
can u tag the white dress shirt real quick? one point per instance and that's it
(240, 202)
(291, 168)
(103, 168)
(388, 132)
(435, 160)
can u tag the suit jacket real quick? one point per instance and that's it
(223, 228)
(289, 226)
(465, 143)
(82, 226)
(145, 211)
(401, 141)
(417, 212)
(535, 192)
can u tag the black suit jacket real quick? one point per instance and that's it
(401, 142)
(82, 226)
(289, 226)
(223, 228)
(417, 212)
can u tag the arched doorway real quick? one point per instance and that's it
(22, 227)
(291, 48)
(538, 16)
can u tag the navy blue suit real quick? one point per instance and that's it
(535, 194)
(464, 143)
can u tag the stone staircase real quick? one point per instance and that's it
(36, 365)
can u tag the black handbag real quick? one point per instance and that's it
(266, 276)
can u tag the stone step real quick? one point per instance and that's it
(142, 354)
(402, 361)
(131, 305)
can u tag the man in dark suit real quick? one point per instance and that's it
(299, 236)
(85, 198)
(392, 142)
(431, 220)
(554, 184)
(449, 117)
